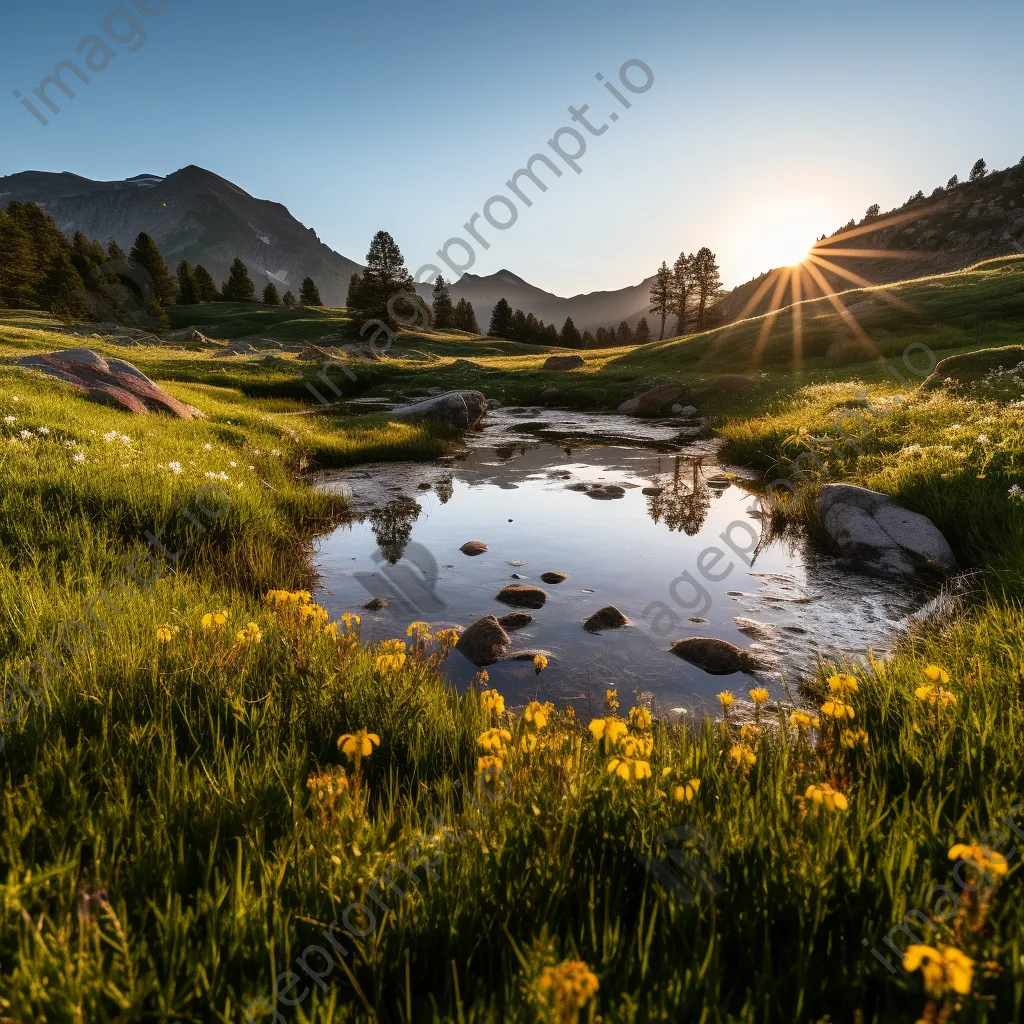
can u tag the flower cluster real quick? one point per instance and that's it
(357, 745)
(823, 795)
(567, 988)
(944, 968)
(934, 693)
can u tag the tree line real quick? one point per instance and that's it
(688, 290)
(81, 279)
(528, 329)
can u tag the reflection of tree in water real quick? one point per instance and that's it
(684, 501)
(392, 526)
(444, 488)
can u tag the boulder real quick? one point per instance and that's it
(515, 620)
(473, 547)
(653, 402)
(716, 657)
(877, 535)
(463, 409)
(553, 577)
(563, 362)
(110, 381)
(521, 595)
(485, 642)
(606, 492)
(376, 605)
(530, 654)
(608, 617)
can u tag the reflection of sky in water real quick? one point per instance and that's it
(659, 573)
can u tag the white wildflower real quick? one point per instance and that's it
(44, 431)
(79, 457)
(174, 467)
(983, 439)
(10, 420)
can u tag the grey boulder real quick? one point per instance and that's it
(877, 535)
(485, 642)
(463, 409)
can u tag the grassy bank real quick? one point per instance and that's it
(180, 826)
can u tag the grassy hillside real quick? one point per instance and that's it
(184, 839)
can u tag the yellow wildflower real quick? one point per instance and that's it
(164, 634)
(417, 627)
(685, 791)
(390, 662)
(823, 795)
(944, 969)
(393, 646)
(936, 674)
(725, 698)
(936, 696)
(447, 637)
(540, 662)
(629, 768)
(759, 695)
(851, 738)
(749, 733)
(355, 746)
(214, 619)
(610, 730)
(837, 709)
(250, 635)
(350, 620)
(568, 988)
(528, 742)
(494, 740)
(842, 684)
(493, 702)
(537, 714)
(640, 717)
(986, 860)
(489, 765)
(637, 746)
(742, 755)
(611, 701)
(802, 721)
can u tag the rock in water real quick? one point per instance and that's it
(608, 617)
(653, 402)
(563, 362)
(519, 595)
(878, 535)
(485, 642)
(376, 605)
(716, 657)
(553, 577)
(515, 620)
(473, 547)
(110, 381)
(457, 408)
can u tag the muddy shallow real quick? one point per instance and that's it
(564, 492)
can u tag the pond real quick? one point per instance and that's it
(638, 515)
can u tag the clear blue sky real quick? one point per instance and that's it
(766, 125)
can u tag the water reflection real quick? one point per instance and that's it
(684, 500)
(392, 526)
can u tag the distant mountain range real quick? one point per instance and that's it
(198, 216)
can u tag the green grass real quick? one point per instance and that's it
(163, 856)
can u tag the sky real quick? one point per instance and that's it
(759, 127)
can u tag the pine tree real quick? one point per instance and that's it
(162, 285)
(19, 270)
(309, 294)
(206, 287)
(188, 288)
(979, 170)
(624, 336)
(465, 317)
(356, 295)
(953, 182)
(86, 256)
(570, 336)
(114, 251)
(709, 284)
(501, 320)
(271, 296)
(519, 331)
(443, 308)
(684, 282)
(387, 281)
(643, 332)
(873, 211)
(288, 300)
(589, 341)
(239, 286)
(63, 290)
(663, 295)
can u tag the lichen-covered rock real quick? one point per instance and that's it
(716, 657)
(485, 642)
(653, 402)
(110, 381)
(608, 617)
(521, 595)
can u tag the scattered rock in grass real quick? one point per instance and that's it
(376, 605)
(463, 409)
(515, 620)
(109, 381)
(485, 642)
(652, 403)
(716, 657)
(521, 595)
(876, 534)
(553, 577)
(608, 617)
(473, 547)
(563, 362)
